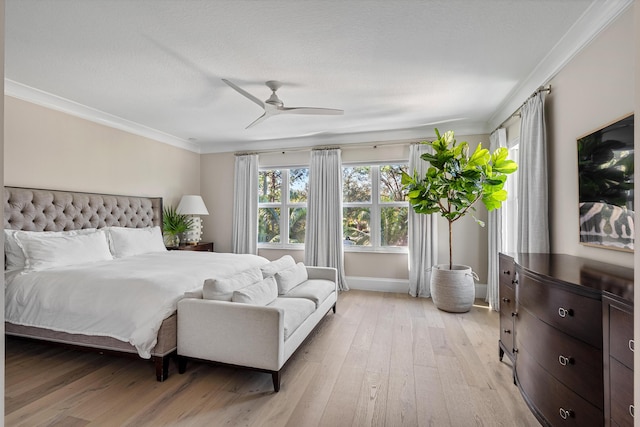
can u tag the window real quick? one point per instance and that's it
(375, 210)
(274, 228)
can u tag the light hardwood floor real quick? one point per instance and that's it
(383, 360)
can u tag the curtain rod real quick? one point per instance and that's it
(373, 145)
(517, 112)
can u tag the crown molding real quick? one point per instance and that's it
(593, 21)
(54, 102)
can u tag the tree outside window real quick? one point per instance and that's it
(273, 227)
(375, 210)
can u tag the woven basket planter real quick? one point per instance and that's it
(453, 290)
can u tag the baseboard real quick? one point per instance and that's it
(377, 284)
(396, 285)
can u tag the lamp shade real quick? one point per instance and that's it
(192, 205)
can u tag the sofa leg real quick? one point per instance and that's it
(182, 364)
(334, 308)
(275, 376)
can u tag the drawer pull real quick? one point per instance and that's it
(632, 345)
(564, 361)
(631, 411)
(514, 314)
(507, 272)
(514, 282)
(563, 312)
(507, 331)
(566, 413)
(505, 299)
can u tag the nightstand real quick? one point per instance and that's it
(200, 246)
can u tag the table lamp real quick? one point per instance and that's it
(193, 205)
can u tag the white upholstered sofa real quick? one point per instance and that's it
(255, 319)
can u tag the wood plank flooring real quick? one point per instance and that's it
(382, 360)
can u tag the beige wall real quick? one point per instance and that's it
(470, 240)
(595, 88)
(216, 188)
(45, 148)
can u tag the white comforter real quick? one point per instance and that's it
(126, 299)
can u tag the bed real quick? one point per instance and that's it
(123, 304)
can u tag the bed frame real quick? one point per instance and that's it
(51, 210)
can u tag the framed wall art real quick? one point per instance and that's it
(605, 181)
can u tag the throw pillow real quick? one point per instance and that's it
(261, 293)
(273, 267)
(222, 288)
(291, 277)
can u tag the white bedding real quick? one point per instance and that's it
(126, 299)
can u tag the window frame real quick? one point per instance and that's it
(284, 205)
(375, 206)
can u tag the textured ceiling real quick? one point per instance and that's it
(397, 68)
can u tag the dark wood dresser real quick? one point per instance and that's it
(566, 323)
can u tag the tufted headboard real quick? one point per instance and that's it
(49, 210)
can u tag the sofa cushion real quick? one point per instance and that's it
(291, 277)
(316, 290)
(261, 293)
(296, 311)
(222, 288)
(271, 268)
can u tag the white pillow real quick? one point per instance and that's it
(15, 256)
(261, 293)
(273, 267)
(126, 242)
(44, 251)
(222, 289)
(291, 277)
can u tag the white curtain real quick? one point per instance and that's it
(323, 235)
(533, 227)
(495, 227)
(423, 239)
(245, 205)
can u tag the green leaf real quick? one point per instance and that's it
(505, 166)
(406, 179)
(480, 157)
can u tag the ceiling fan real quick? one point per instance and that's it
(274, 106)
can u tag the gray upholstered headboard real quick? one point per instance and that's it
(50, 210)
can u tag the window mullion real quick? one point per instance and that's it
(284, 216)
(375, 206)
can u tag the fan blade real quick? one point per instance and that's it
(262, 118)
(244, 92)
(311, 110)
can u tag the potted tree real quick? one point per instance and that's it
(174, 224)
(454, 182)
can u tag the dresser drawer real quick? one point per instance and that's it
(507, 271)
(621, 335)
(574, 363)
(621, 393)
(507, 309)
(577, 315)
(554, 401)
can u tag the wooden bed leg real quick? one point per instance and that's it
(275, 376)
(162, 367)
(182, 364)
